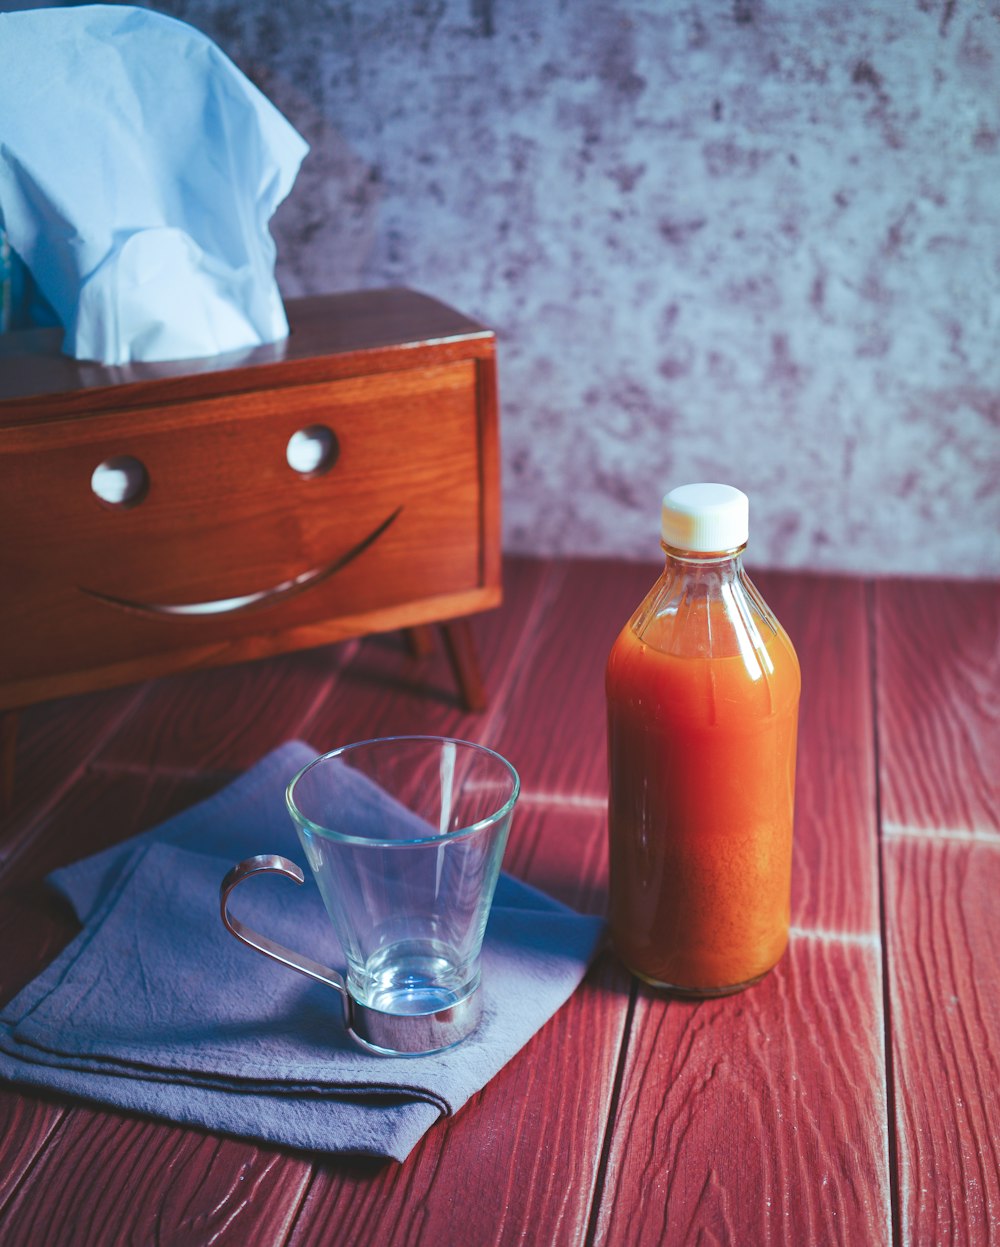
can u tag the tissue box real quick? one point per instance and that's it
(340, 482)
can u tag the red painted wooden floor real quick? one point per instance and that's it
(852, 1097)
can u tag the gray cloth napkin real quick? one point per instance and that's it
(155, 1007)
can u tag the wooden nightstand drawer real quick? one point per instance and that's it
(229, 552)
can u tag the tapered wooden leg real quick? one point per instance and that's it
(460, 646)
(419, 640)
(8, 750)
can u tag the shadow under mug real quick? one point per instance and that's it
(404, 837)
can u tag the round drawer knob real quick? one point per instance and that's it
(312, 451)
(121, 481)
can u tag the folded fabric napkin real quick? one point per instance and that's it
(154, 1007)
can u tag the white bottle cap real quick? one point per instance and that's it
(705, 518)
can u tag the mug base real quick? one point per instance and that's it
(414, 1034)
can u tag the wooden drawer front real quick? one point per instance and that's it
(229, 541)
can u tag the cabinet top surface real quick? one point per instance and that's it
(37, 380)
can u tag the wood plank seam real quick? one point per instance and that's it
(304, 1217)
(896, 1205)
(45, 1143)
(600, 1178)
(286, 1232)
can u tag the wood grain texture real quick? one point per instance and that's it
(460, 647)
(396, 521)
(519, 1163)
(938, 663)
(26, 1124)
(554, 728)
(113, 1178)
(938, 667)
(226, 719)
(331, 336)
(55, 743)
(205, 1195)
(835, 859)
(385, 691)
(549, 835)
(759, 1118)
(943, 920)
(721, 1113)
(191, 733)
(35, 926)
(101, 809)
(251, 648)
(629, 1118)
(490, 468)
(227, 553)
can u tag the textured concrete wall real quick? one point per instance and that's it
(755, 241)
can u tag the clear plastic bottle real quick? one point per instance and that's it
(703, 692)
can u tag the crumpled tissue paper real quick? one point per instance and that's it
(139, 169)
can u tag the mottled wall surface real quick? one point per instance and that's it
(755, 241)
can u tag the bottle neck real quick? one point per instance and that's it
(720, 563)
(704, 603)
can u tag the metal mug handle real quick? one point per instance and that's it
(271, 863)
(387, 1034)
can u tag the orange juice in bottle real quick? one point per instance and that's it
(702, 694)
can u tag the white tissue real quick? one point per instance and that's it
(139, 169)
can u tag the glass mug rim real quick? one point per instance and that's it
(445, 837)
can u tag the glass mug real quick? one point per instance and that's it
(404, 837)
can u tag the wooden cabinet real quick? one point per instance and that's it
(228, 552)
